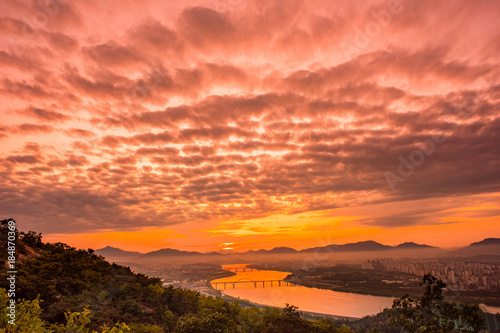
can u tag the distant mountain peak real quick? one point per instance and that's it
(169, 252)
(486, 247)
(282, 249)
(276, 250)
(368, 245)
(487, 241)
(413, 245)
(110, 251)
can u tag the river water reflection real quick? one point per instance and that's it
(255, 286)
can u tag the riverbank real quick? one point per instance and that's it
(463, 296)
(346, 289)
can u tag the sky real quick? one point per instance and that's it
(245, 124)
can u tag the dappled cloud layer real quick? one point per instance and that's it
(208, 117)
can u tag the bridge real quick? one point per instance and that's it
(240, 269)
(255, 283)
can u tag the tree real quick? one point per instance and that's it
(217, 322)
(288, 321)
(189, 324)
(431, 313)
(32, 238)
(27, 315)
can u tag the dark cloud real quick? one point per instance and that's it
(23, 88)
(157, 151)
(74, 160)
(28, 159)
(112, 54)
(61, 42)
(33, 128)
(44, 115)
(32, 147)
(78, 132)
(12, 25)
(152, 34)
(411, 218)
(204, 27)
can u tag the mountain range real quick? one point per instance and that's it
(350, 247)
(488, 246)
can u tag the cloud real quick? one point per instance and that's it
(61, 41)
(182, 114)
(78, 132)
(28, 159)
(410, 218)
(112, 54)
(33, 128)
(44, 115)
(156, 37)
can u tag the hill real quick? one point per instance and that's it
(169, 253)
(363, 246)
(109, 251)
(486, 247)
(276, 250)
(487, 241)
(412, 245)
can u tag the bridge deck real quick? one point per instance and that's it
(279, 283)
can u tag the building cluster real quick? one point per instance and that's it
(458, 275)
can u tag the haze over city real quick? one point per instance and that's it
(238, 125)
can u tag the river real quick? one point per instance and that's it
(255, 286)
(306, 299)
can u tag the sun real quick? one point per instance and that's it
(227, 246)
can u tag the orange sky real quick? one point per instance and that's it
(236, 124)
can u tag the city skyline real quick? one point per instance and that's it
(239, 125)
